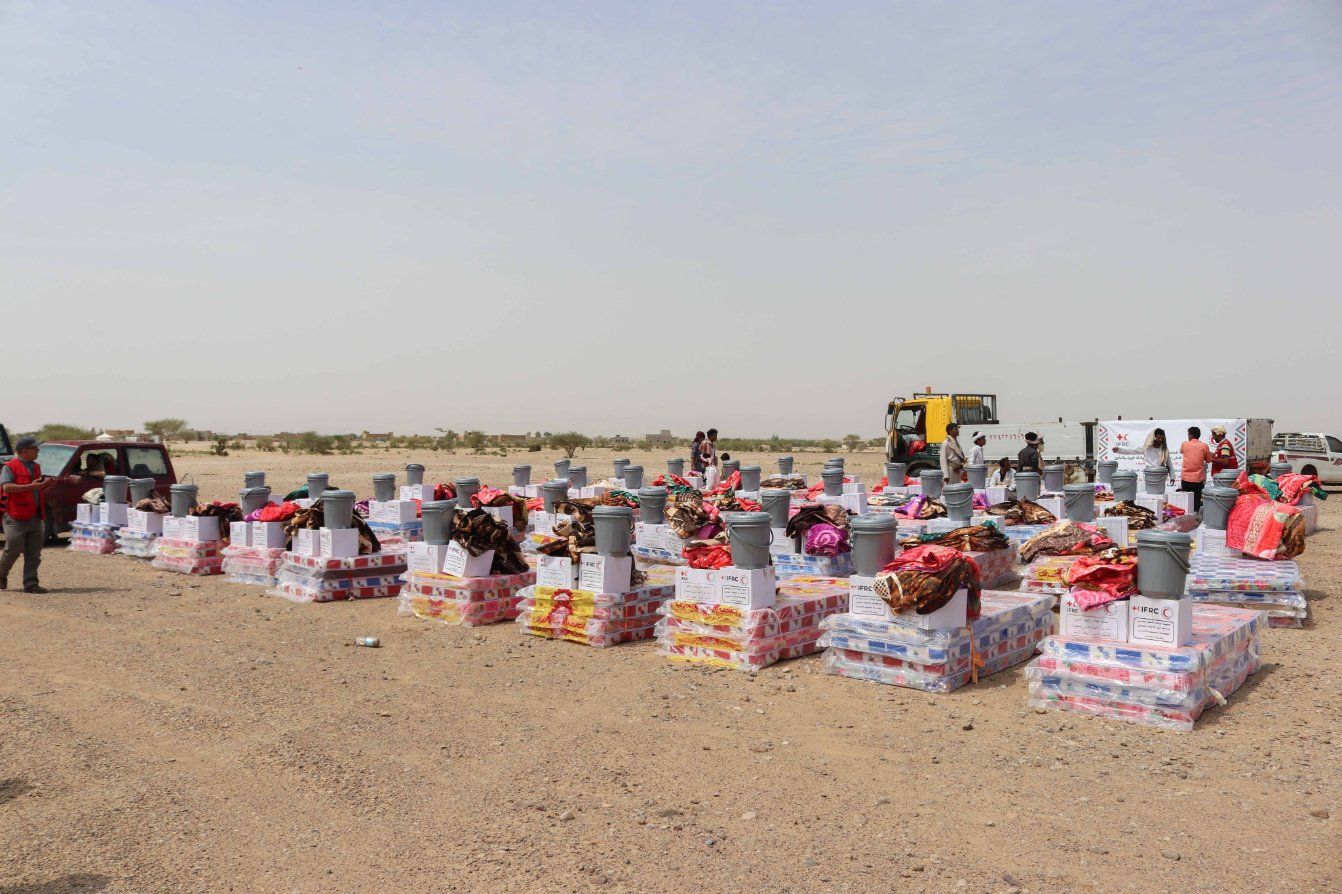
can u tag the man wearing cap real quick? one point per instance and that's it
(1223, 453)
(952, 456)
(976, 453)
(1029, 460)
(22, 484)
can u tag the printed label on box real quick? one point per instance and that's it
(461, 563)
(1108, 621)
(1166, 622)
(269, 535)
(200, 528)
(240, 533)
(649, 536)
(555, 571)
(172, 527)
(605, 574)
(307, 542)
(782, 544)
(339, 543)
(426, 558)
(144, 522)
(747, 588)
(863, 601)
(696, 584)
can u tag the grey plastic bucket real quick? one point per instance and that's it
(620, 465)
(1226, 477)
(1154, 478)
(1027, 485)
(1162, 563)
(414, 474)
(115, 488)
(833, 478)
(633, 477)
(1123, 482)
(317, 484)
(835, 461)
(777, 502)
(958, 498)
(140, 489)
(252, 499)
(676, 466)
(729, 466)
(613, 524)
(1079, 500)
(785, 465)
(749, 536)
(253, 479)
(874, 537)
(384, 487)
(438, 518)
(465, 488)
(552, 491)
(562, 467)
(182, 498)
(931, 482)
(521, 475)
(338, 508)
(978, 475)
(652, 505)
(750, 479)
(1054, 477)
(1274, 469)
(1217, 503)
(577, 476)
(896, 474)
(1105, 469)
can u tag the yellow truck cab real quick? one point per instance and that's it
(923, 419)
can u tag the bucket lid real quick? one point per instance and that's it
(750, 468)
(747, 519)
(652, 493)
(975, 466)
(1083, 488)
(414, 467)
(1216, 490)
(185, 488)
(932, 473)
(632, 466)
(467, 481)
(523, 467)
(253, 491)
(1121, 473)
(338, 495)
(1164, 538)
(612, 512)
(1108, 462)
(874, 523)
(383, 476)
(438, 506)
(776, 493)
(786, 456)
(556, 484)
(1056, 467)
(959, 487)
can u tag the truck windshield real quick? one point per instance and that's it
(53, 457)
(909, 420)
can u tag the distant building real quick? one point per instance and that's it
(620, 440)
(662, 437)
(376, 437)
(506, 440)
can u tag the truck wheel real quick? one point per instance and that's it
(1309, 470)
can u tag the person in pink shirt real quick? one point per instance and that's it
(1196, 455)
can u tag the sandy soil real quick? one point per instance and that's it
(170, 734)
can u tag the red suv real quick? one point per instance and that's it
(79, 466)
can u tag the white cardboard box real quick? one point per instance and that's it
(201, 528)
(426, 558)
(1165, 622)
(173, 527)
(338, 543)
(1155, 503)
(854, 487)
(86, 514)
(1107, 622)
(269, 535)
(1054, 505)
(863, 601)
(240, 533)
(995, 495)
(556, 571)
(951, 615)
(1116, 526)
(502, 513)
(421, 492)
(671, 541)
(307, 542)
(395, 512)
(696, 584)
(605, 574)
(114, 513)
(747, 588)
(144, 522)
(649, 536)
(461, 563)
(1181, 498)
(782, 544)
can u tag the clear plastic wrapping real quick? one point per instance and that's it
(1046, 574)
(136, 544)
(653, 555)
(324, 579)
(1149, 684)
(96, 539)
(188, 556)
(998, 567)
(592, 619)
(797, 564)
(1272, 587)
(255, 565)
(468, 602)
(745, 639)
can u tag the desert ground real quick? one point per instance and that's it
(170, 734)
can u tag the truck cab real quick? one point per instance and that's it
(1311, 453)
(79, 466)
(922, 419)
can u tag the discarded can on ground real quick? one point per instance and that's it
(368, 642)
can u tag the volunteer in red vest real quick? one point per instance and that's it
(1223, 452)
(23, 483)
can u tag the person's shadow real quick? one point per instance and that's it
(75, 883)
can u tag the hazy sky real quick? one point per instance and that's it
(622, 217)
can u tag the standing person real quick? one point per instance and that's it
(708, 456)
(1223, 454)
(1029, 460)
(1155, 451)
(976, 452)
(22, 483)
(696, 461)
(1196, 455)
(952, 456)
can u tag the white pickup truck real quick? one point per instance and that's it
(1310, 453)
